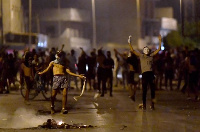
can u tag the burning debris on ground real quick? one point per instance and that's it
(52, 124)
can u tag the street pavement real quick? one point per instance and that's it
(173, 112)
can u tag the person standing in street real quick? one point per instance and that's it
(91, 73)
(27, 75)
(109, 65)
(72, 66)
(101, 78)
(59, 80)
(146, 60)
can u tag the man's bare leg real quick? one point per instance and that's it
(54, 93)
(64, 101)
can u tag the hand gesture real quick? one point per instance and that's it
(129, 39)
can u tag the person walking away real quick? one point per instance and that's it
(59, 80)
(146, 60)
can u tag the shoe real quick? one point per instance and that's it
(64, 111)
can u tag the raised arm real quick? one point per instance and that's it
(159, 48)
(120, 54)
(132, 50)
(50, 65)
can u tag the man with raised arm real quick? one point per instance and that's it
(59, 80)
(146, 60)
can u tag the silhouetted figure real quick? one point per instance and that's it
(109, 65)
(91, 73)
(101, 78)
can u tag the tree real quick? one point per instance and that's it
(190, 38)
(173, 40)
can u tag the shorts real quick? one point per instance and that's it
(60, 82)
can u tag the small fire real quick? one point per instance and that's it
(60, 122)
(52, 124)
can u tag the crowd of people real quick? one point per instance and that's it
(101, 69)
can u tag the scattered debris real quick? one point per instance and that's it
(52, 124)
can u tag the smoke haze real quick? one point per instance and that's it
(22, 118)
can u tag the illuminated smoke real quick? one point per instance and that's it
(22, 118)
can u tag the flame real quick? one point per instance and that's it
(60, 122)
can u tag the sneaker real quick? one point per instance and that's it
(64, 111)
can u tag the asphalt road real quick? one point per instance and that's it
(173, 113)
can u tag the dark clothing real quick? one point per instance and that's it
(91, 62)
(82, 62)
(148, 79)
(131, 79)
(109, 65)
(134, 61)
(101, 79)
(101, 72)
